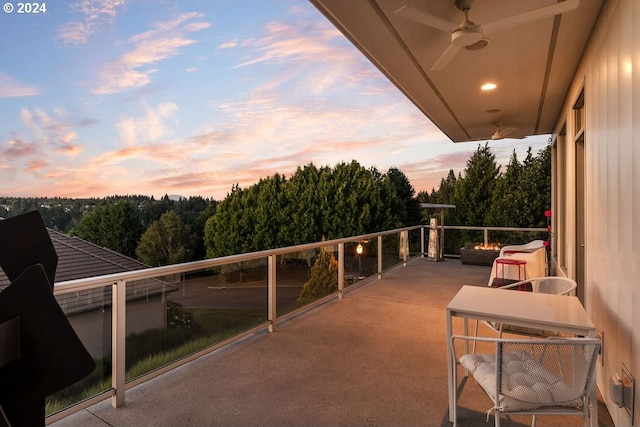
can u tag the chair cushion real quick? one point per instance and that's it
(500, 282)
(527, 384)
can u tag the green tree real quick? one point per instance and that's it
(404, 205)
(534, 186)
(446, 191)
(473, 191)
(328, 202)
(445, 195)
(507, 201)
(164, 241)
(151, 209)
(228, 230)
(323, 279)
(354, 200)
(114, 226)
(302, 212)
(194, 213)
(266, 201)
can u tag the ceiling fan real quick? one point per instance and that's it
(501, 133)
(469, 35)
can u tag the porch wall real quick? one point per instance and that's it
(610, 76)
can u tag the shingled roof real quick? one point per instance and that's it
(79, 259)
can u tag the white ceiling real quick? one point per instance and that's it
(532, 64)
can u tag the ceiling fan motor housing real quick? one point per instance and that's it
(464, 4)
(466, 36)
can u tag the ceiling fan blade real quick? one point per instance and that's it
(421, 17)
(504, 133)
(507, 131)
(447, 56)
(532, 16)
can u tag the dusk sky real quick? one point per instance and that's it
(187, 97)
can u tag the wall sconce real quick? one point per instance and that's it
(359, 249)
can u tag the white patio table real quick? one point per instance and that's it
(534, 310)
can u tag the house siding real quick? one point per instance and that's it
(610, 76)
(94, 327)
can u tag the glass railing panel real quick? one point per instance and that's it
(171, 317)
(303, 277)
(467, 239)
(360, 260)
(89, 313)
(391, 253)
(460, 237)
(415, 242)
(504, 238)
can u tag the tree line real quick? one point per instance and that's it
(155, 231)
(314, 203)
(484, 195)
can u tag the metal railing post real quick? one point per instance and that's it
(404, 246)
(379, 257)
(271, 285)
(118, 341)
(421, 242)
(486, 237)
(340, 269)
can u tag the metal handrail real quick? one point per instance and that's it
(486, 229)
(76, 285)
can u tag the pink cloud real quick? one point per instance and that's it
(93, 14)
(18, 149)
(11, 87)
(37, 165)
(56, 129)
(285, 42)
(149, 127)
(150, 47)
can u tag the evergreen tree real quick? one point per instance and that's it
(323, 278)
(535, 187)
(473, 192)
(446, 192)
(228, 230)
(302, 212)
(315, 203)
(194, 213)
(270, 201)
(404, 205)
(114, 226)
(506, 203)
(445, 196)
(164, 241)
(354, 200)
(151, 210)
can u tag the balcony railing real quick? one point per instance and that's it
(486, 235)
(141, 324)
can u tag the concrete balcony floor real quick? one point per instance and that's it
(375, 358)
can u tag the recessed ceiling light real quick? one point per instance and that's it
(488, 86)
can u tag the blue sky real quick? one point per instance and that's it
(103, 97)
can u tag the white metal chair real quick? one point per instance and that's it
(533, 377)
(527, 247)
(556, 285)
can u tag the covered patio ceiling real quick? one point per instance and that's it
(531, 59)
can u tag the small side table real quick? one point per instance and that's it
(520, 264)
